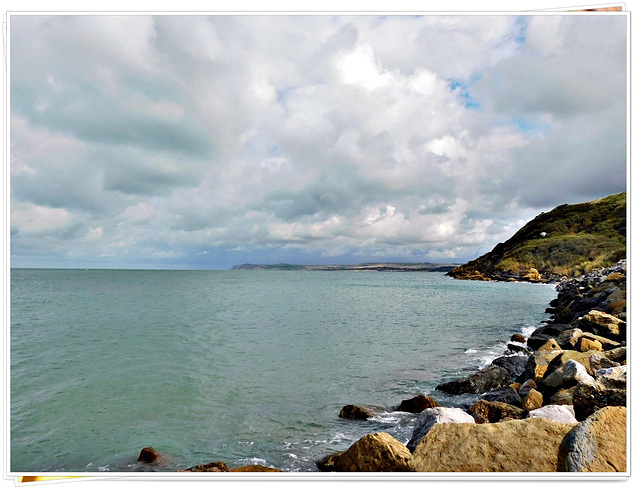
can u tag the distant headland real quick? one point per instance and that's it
(361, 267)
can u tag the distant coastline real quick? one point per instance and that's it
(361, 267)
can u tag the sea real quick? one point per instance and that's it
(245, 367)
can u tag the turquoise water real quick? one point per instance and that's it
(240, 366)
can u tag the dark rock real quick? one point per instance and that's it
(535, 341)
(485, 411)
(351, 411)
(511, 347)
(417, 404)
(507, 395)
(148, 455)
(588, 399)
(518, 338)
(483, 381)
(514, 364)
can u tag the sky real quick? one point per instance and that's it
(206, 141)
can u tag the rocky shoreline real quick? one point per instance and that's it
(554, 402)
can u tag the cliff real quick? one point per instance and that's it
(568, 241)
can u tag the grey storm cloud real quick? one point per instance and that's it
(146, 140)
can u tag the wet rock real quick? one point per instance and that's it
(483, 381)
(597, 444)
(518, 338)
(528, 445)
(378, 452)
(514, 364)
(148, 455)
(417, 404)
(351, 411)
(433, 416)
(493, 411)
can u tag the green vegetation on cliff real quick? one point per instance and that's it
(568, 241)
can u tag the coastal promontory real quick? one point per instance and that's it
(566, 242)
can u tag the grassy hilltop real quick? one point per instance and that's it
(568, 241)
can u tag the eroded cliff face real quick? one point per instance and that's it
(568, 241)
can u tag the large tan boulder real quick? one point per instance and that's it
(377, 452)
(605, 324)
(528, 445)
(598, 444)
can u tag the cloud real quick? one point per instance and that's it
(206, 140)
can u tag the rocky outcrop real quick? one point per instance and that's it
(417, 404)
(351, 411)
(478, 383)
(597, 444)
(528, 445)
(378, 452)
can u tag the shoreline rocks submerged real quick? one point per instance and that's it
(554, 402)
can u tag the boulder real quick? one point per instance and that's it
(587, 399)
(587, 344)
(507, 395)
(524, 388)
(377, 452)
(514, 364)
(532, 275)
(517, 337)
(604, 324)
(351, 411)
(516, 348)
(537, 365)
(554, 412)
(433, 416)
(148, 455)
(417, 404)
(598, 362)
(562, 396)
(550, 345)
(569, 339)
(483, 381)
(617, 354)
(528, 445)
(583, 358)
(494, 411)
(532, 400)
(613, 377)
(615, 307)
(597, 444)
(570, 374)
